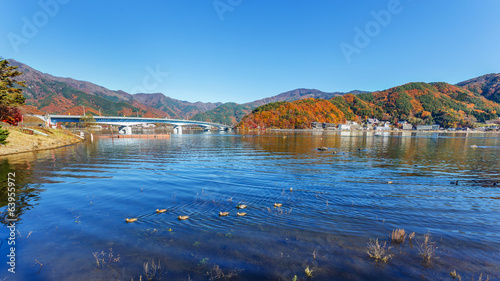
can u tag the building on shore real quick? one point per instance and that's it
(383, 127)
(434, 127)
(344, 126)
(405, 125)
(326, 126)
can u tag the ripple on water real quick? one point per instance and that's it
(337, 202)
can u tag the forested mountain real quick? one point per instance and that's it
(486, 85)
(417, 103)
(474, 100)
(292, 115)
(299, 94)
(228, 113)
(232, 112)
(173, 107)
(46, 93)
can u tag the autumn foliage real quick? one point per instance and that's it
(417, 103)
(292, 115)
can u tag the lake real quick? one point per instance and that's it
(72, 203)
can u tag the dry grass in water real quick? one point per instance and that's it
(216, 273)
(411, 236)
(105, 258)
(427, 248)
(481, 278)
(308, 272)
(152, 271)
(378, 251)
(398, 236)
(457, 276)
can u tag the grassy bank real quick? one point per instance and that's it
(19, 141)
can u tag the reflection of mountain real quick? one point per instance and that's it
(26, 194)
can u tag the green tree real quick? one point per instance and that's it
(10, 89)
(3, 135)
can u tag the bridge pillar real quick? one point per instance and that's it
(178, 129)
(125, 130)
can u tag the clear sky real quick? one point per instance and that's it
(243, 50)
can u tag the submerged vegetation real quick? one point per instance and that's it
(398, 236)
(378, 251)
(427, 248)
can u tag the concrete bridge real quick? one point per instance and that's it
(125, 123)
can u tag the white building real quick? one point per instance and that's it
(344, 126)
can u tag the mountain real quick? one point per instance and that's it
(231, 113)
(36, 90)
(228, 113)
(174, 108)
(292, 115)
(46, 93)
(298, 94)
(417, 103)
(487, 85)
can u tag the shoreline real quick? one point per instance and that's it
(21, 142)
(382, 131)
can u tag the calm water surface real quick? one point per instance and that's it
(73, 201)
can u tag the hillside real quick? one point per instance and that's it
(232, 113)
(422, 103)
(292, 115)
(174, 108)
(417, 103)
(228, 113)
(486, 85)
(298, 94)
(46, 93)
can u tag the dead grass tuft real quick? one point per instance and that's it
(427, 248)
(457, 276)
(216, 273)
(411, 236)
(105, 258)
(378, 251)
(153, 271)
(308, 272)
(398, 236)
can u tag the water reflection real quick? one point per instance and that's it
(76, 200)
(26, 196)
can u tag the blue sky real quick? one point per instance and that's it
(243, 50)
